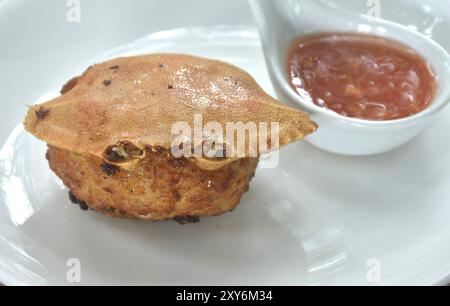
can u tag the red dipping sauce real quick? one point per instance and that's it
(361, 76)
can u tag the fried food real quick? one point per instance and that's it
(159, 188)
(110, 135)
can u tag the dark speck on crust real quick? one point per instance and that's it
(115, 67)
(41, 113)
(170, 87)
(83, 206)
(178, 162)
(109, 169)
(114, 156)
(186, 220)
(107, 82)
(75, 200)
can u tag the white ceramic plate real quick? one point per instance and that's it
(318, 218)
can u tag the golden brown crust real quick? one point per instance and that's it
(138, 99)
(159, 188)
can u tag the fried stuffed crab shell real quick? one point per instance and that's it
(110, 135)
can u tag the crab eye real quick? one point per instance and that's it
(122, 152)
